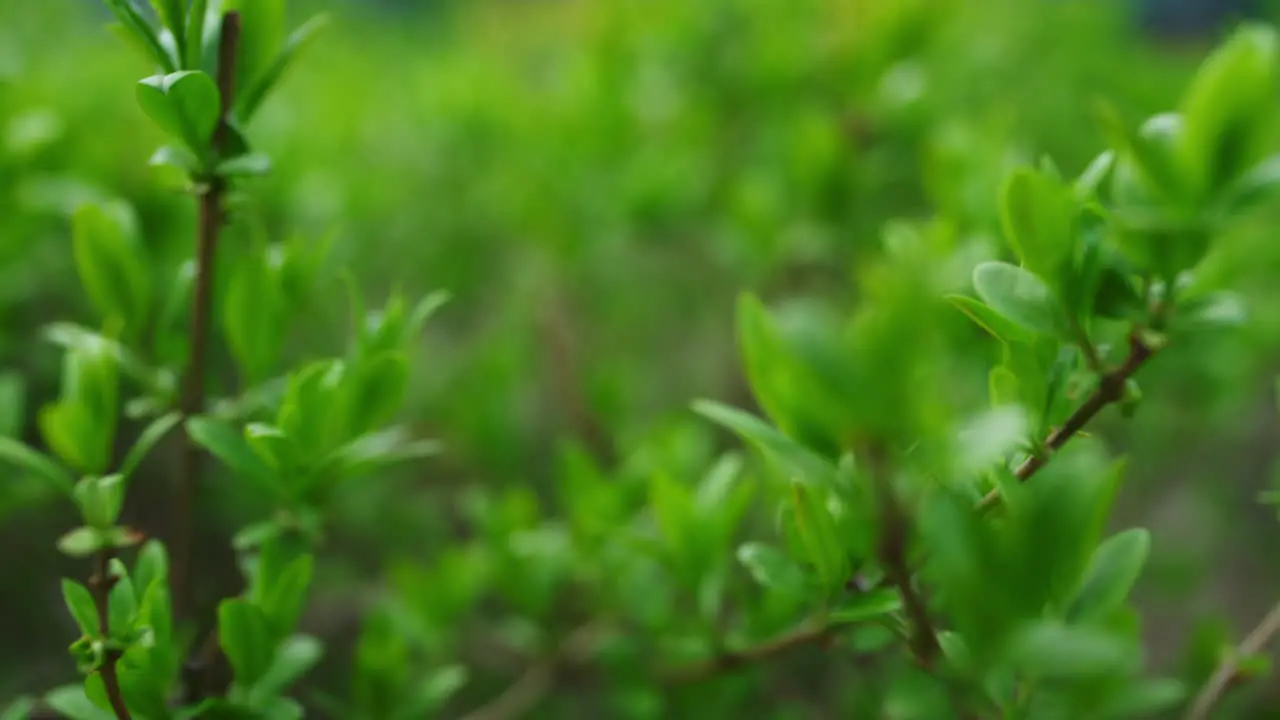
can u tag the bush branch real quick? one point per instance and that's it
(211, 217)
(100, 584)
(539, 680)
(1228, 671)
(732, 660)
(1110, 390)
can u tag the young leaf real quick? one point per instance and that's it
(123, 601)
(245, 639)
(141, 31)
(817, 530)
(184, 104)
(997, 325)
(287, 596)
(1052, 650)
(37, 463)
(72, 702)
(431, 694)
(82, 542)
(247, 102)
(1038, 212)
(866, 606)
(80, 602)
(110, 262)
(799, 462)
(1113, 570)
(147, 440)
(1020, 296)
(293, 658)
(151, 566)
(1230, 107)
(771, 567)
(229, 446)
(375, 390)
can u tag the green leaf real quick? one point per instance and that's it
(253, 315)
(82, 542)
(21, 455)
(111, 263)
(71, 702)
(123, 601)
(19, 709)
(1113, 570)
(80, 602)
(143, 33)
(375, 391)
(1038, 212)
(1020, 296)
(1146, 697)
(100, 500)
(997, 325)
(990, 438)
(771, 567)
(432, 693)
(245, 639)
(1212, 311)
(866, 606)
(152, 566)
(1230, 107)
(184, 104)
(799, 462)
(377, 450)
(287, 595)
(1049, 649)
(293, 658)
(153, 434)
(229, 446)
(248, 102)
(172, 14)
(817, 531)
(248, 165)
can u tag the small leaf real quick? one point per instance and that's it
(81, 542)
(1052, 650)
(375, 390)
(866, 606)
(287, 596)
(184, 104)
(147, 440)
(1113, 570)
(247, 102)
(997, 325)
(1213, 311)
(80, 602)
(245, 639)
(249, 165)
(294, 657)
(799, 461)
(378, 450)
(431, 695)
(230, 447)
(151, 566)
(37, 463)
(990, 438)
(72, 703)
(142, 32)
(1020, 296)
(123, 601)
(111, 263)
(1038, 213)
(771, 567)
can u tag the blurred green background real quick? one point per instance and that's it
(594, 182)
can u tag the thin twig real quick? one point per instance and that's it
(100, 584)
(732, 660)
(193, 387)
(895, 530)
(1110, 390)
(1228, 671)
(539, 680)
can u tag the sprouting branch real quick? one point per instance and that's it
(1110, 390)
(732, 660)
(211, 217)
(1228, 671)
(100, 584)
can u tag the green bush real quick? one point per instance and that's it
(595, 185)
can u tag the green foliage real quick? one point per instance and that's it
(922, 527)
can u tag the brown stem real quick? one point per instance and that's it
(892, 550)
(1228, 671)
(100, 584)
(211, 218)
(1110, 390)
